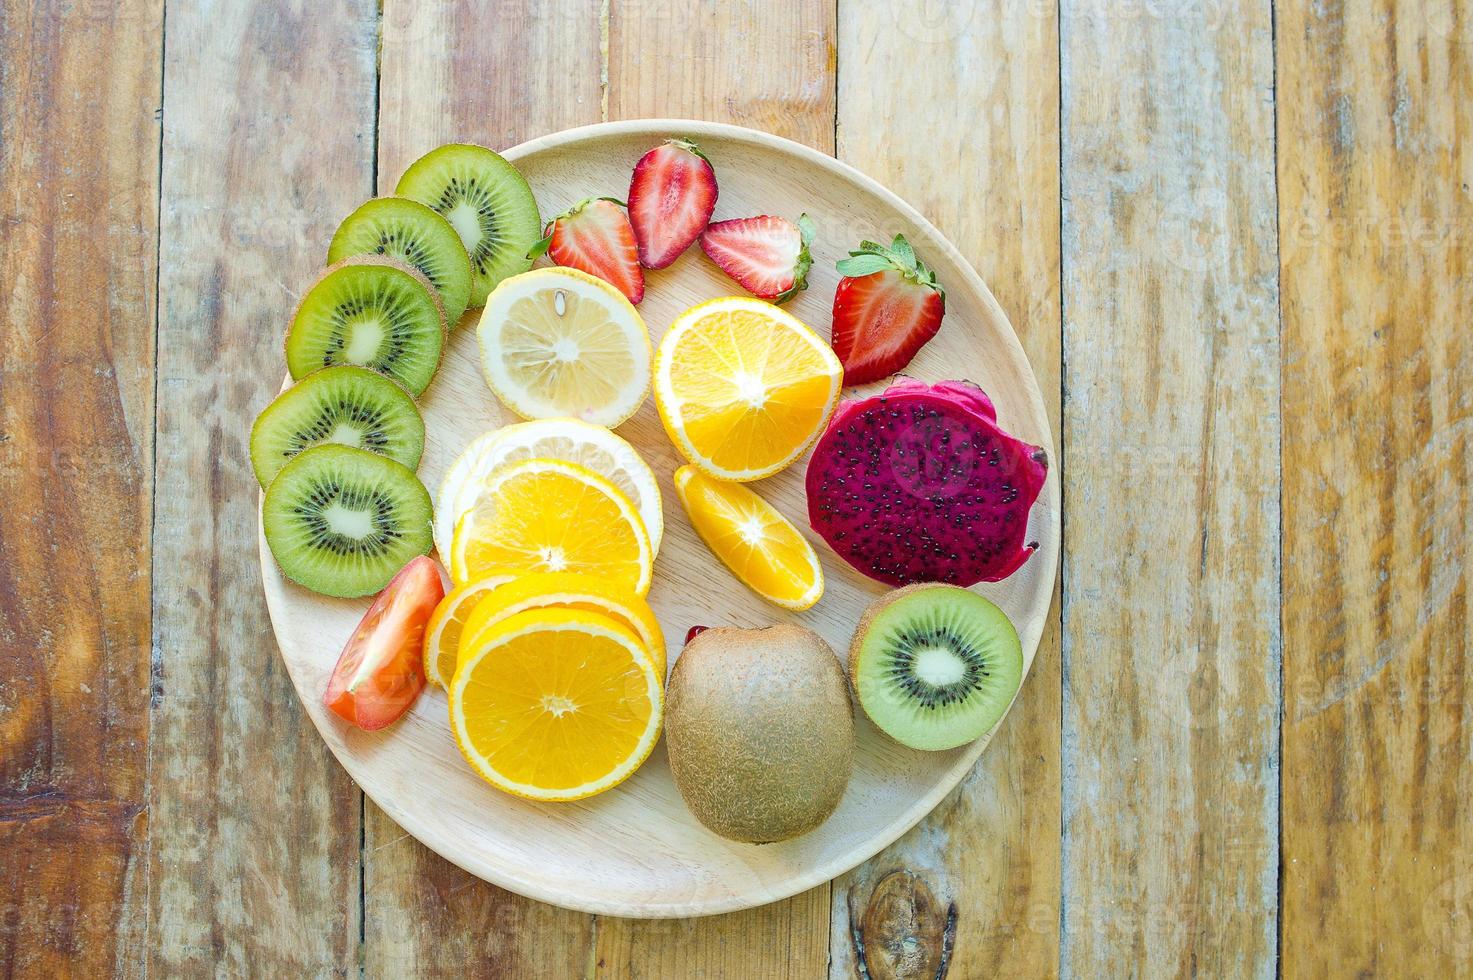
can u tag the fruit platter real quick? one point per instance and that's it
(658, 518)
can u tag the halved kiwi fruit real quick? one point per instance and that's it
(372, 311)
(409, 231)
(342, 521)
(351, 406)
(935, 666)
(489, 203)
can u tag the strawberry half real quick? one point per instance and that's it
(887, 306)
(767, 255)
(595, 237)
(671, 197)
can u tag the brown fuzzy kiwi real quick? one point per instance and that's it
(760, 731)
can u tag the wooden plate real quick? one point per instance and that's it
(636, 851)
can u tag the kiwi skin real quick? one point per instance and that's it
(759, 727)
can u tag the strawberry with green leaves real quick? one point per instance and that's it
(767, 255)
(671, 195)
(886, 307)
(595, 237)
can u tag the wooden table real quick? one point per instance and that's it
(1235, 242)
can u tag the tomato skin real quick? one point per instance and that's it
(381, 670)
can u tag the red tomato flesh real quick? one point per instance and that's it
(381, 670)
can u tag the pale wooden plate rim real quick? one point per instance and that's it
(1049, 539)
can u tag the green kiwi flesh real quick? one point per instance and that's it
(413, 233)
(373, 312)
(341, 521)
(351, 406)
(935, 666)
(489, 203)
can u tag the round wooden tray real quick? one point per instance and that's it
(636, 850)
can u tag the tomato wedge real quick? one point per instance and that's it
(381, 670)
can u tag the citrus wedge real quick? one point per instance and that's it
(447, 626)
(547, 515)
(759, 545)
(744, 387)
(558, 342)
(556, 704)
(543, 590)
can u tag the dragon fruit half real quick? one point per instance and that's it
(920, 485)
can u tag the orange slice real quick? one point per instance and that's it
(556, 704)
(547, 515)
(743, 387)
(572, 591)
(759, 545)
(447, 626)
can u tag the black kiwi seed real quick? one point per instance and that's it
(487, 201)
(349, 405)
(374, 312)
(341, 521)
(412, 233)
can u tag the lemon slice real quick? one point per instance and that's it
(570, 590)
(459, 488)
(556, 704)
(759, 545)
(743, 387)
(558, 342)
(547, 515)
(447, 626)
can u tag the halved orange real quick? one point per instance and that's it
(447, 626)
(743, 387)
(556, 704)
(542, 590)
(759, 545)
(548, 515)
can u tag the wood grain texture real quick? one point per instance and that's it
(1171, 641)
(980, 99)
(268, 111)
(493, 74)
(78, 237)
(1375, 225)
(725, 62)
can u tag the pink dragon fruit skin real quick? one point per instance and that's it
(919, 484)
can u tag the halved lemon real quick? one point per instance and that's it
(759, 545)
(556, 704)
(558, 342)
(578, 442)
(447, 626)
(743, 387)
(548, 515)
(542, 590)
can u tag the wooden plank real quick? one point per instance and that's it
(1171, 473)
(1374, 216)
(268, 111)
(980, 98)
(495, 75)
(79, 85)
(696, 60)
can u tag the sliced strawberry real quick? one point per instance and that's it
(767, 255)
(671, 196)
(887, 306)
(595, 237)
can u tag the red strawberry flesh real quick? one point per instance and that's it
(595, 237)
(671, 196)
(767, 255)
(880, 321)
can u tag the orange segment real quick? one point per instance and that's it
(571, 591)
(759, 545)
(442, 636)
(556, 704)
(546, 515)
(743, 387)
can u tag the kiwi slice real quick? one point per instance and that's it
(935, 666)
(374, 312)
(342, 521)
(489, 203)
(352, 406)
(412, 233)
